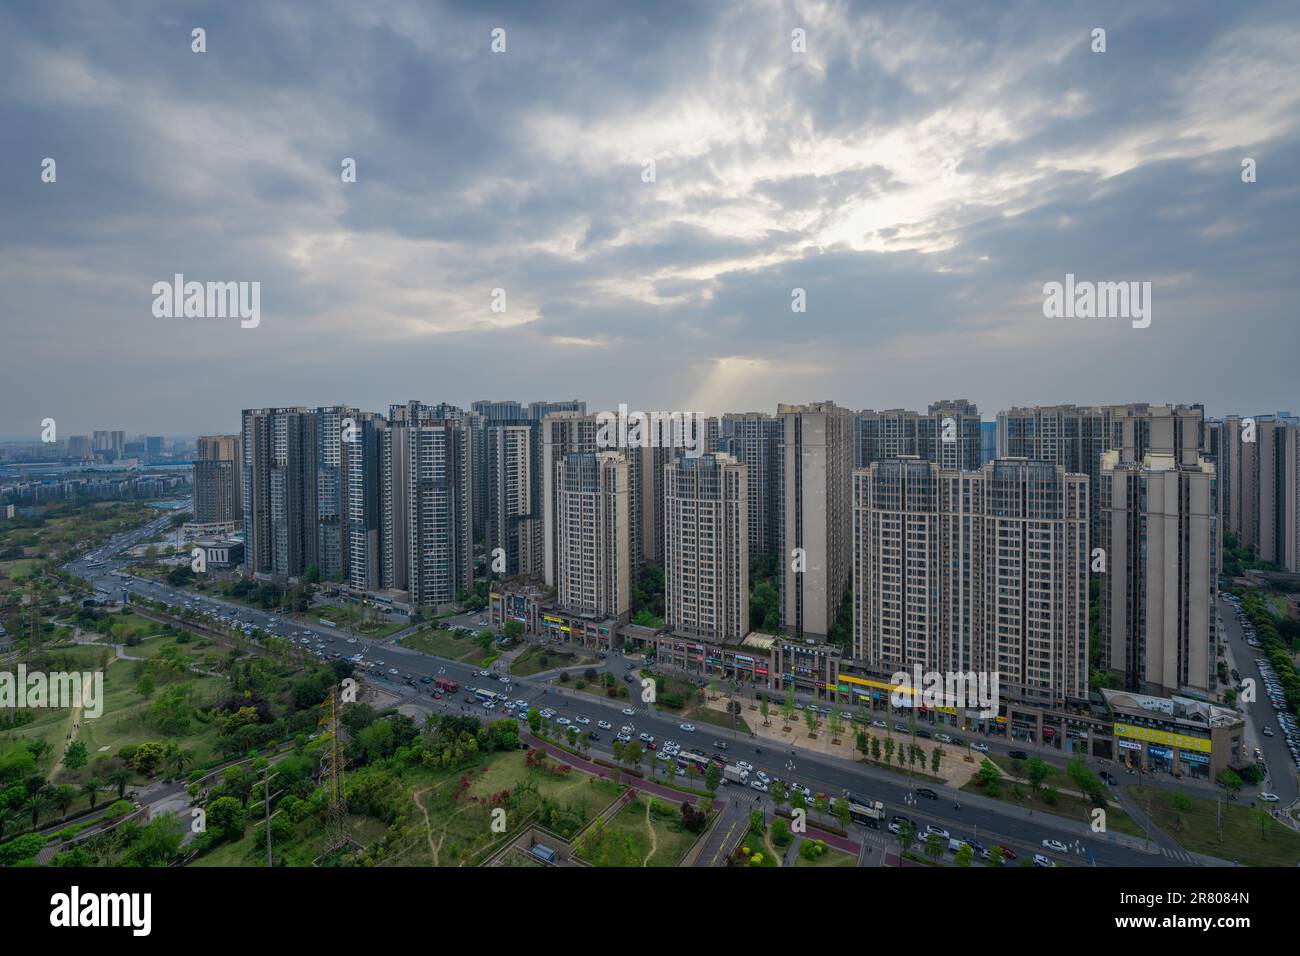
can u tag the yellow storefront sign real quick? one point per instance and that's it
(1199, 744)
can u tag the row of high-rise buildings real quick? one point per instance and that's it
(939, 554)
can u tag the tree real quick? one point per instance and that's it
(965, 855)
(75, 757)
(1037, 771)
(889, 750)
(811, 719)
(572, 734)
(765, 710)
(713, 778)
(787, 708)
(513, 630)
(778, 793)
(935, 756)
(840, 808)
(933, 846)
(36, 804)
(91, 789)
(226, 818)
(120, 778)
(996, 856)
(835, 723)
(875, 748)
(535, 721)
(63, 796)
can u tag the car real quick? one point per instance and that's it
(1108, 778)
(484, 674)
(982, 748)
(487, 705)
(1268, 731)
(592, 735)
(1007, 852)
(720, 744)
(901, 728)
(937, 830)
(604, 725)
(943, 738)
(879, 723)
(647, 738)
(671, 745)
(1040, 860)
(564, 721)
(927, 793)
(744, 765)
(1018, 755)
(504, 680)
(758, 785)
(582, 720)
(623, 737)
(629, 712)
(1269, 797)
(762, 776)
(896, 826)
(1056, 845)
(393, 671)
(925, 734)
(426, 679)
(802, 790)
(689, 728)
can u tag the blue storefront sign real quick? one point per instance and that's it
(1164, 752)
(1193, 757)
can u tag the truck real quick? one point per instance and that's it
(734, 774)
(869, 813)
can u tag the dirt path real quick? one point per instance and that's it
(654, 840)
(428, 824)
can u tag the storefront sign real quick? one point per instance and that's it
(1152, 735)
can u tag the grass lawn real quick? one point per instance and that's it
(536, 659)
(19, 568)
(646, 832)
(699, 714)
(830, 858)
(757, 843)
(308, 844)
(1249, 837)
(447, 644)
(1067, 804)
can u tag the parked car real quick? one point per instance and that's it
(1056, 845)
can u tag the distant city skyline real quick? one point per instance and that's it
(654, 195)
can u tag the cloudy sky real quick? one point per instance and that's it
(920, 172)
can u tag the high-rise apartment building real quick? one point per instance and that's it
(706, 548)
(593, 563)
(984, 571)
(752, 438)
(334, 424)
(218, 479)
(948, 434)
(424, 499)
(563, 433)
(814, 518)
(279, 490)
(1258, 488)
(362, 470)
(1160, 590)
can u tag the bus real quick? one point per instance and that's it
(445, 685)
(869, 813)
(700, 761)
(487, 696)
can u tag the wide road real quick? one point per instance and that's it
(979, 818)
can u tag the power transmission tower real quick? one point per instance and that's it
(336, 822)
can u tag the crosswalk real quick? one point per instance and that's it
(1182, 856)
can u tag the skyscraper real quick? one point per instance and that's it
(981, 571)
(593, 566)
(218, 479)
(752, 438)
(706, 549)
(279, 490)
(814, 518)
(1160, 590)
(425, 515)
(948, 434)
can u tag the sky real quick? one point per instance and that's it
(920, 171)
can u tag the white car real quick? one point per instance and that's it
(582, 720)
(663, 755)
(763, 777)
(744, 765)
(802, 790)
(1040, 860)
(484, 674)
(1269, 797)
(689, 728)
(604, 725)
(1056, 845)
(393, 671)
(938, 831)
(564, 721)
(943, 738)
(758, 785)
(623, 737)
(629, 712)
